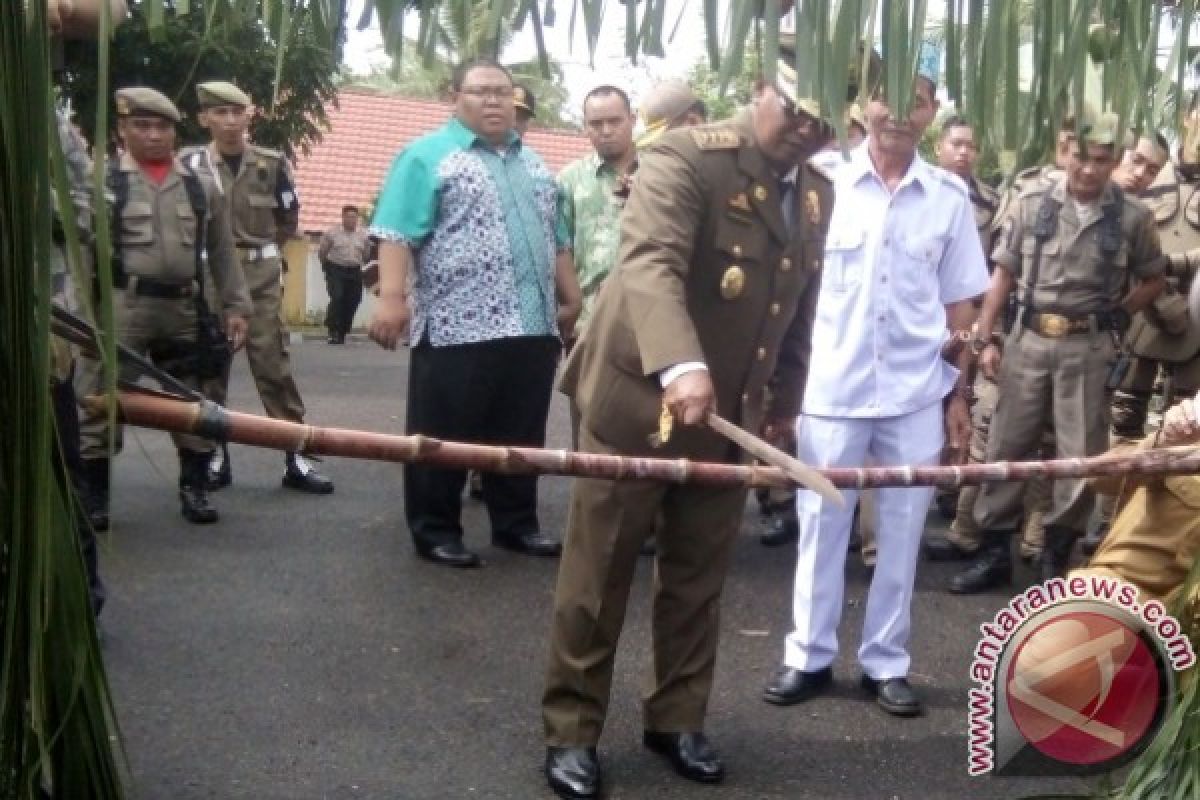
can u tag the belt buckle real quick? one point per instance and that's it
(1054, 325)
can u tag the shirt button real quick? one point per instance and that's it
(774, 309)
(762, 354)
(785, 264)
(736, 250)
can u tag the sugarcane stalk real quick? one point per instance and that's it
(207, 419)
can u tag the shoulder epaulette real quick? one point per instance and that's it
(715, 138)
(267, 152)
(819, 171)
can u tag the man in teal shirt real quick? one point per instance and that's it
(471, 214)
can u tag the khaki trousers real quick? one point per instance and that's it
(1059, 381)
(608, 522)
(266, 344)
(150, 326)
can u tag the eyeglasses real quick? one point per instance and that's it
(489, 92)
(796, 117)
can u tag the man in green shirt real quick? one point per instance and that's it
(590, 194)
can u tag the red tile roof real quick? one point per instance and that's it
(367, 129)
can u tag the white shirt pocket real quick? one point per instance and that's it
(920, 256)
(845, 257)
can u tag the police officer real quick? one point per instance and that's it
(713, 297)
(525, 104)
(1082, 256)
(258, 188)
(170, 234)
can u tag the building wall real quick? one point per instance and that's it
(304, 295)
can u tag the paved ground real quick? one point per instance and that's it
(300, 650)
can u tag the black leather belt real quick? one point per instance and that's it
(148, 287)
(1054, 325)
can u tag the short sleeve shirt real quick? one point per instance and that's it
(893, 262)
(481, 222)
(589, 211)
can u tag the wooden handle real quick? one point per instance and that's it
(795, 469)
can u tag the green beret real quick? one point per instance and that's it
(142, 101)
(221, 93)
(1103, 129)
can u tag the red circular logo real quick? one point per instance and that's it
(1083, 688)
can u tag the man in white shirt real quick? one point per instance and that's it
(903, 264)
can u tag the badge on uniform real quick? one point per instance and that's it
(812, 207)
(760, 193)
(732, 283)
(740, 202)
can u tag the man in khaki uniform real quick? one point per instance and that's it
(712, 299)
(343, 251)
(1161, 338)
(1082, 256)
(257, 185)
(1155, 536)
(165, 218)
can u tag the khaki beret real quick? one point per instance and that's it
(1103, 129)
(667, 101)
(142, 101)
(788, 84)
(221, 93)
(855, 116)
(524, 100)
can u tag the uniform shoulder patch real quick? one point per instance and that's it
(715, 138)
(266, 152)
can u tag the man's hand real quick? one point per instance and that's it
(567, 317)
(958, 429)
(235, 331)
(690, 397)
(781, 432)
(390, 321)
(989, 362)
(1179, 423)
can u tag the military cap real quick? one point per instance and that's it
(788, 84)
(524, 100)
(221, 93)
(1102, 129)
(667, 101)
(143, 101)
(855, 116)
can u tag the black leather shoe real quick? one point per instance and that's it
(791, 686)
(451, 554)
(779, 529)
(941, 548)
(689, 753)
(219, 472)
(894, 695)
(535, 543)
(302, 475)
(195, 507)
(991, 568)
(573, 772)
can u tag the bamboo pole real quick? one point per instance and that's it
(163, 412)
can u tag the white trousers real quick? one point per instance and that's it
(914, 438)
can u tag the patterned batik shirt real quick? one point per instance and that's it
(589, 211)
(481, 223)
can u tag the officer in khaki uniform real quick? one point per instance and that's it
(1155, 536)
(1161, 338)
(165, 218)
(257, 185)
(1082, 256)
(712, 300)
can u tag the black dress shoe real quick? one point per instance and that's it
(941, 548)
(791, 686)
(451, 554)
(534, 543)
(780, 528)
(573, 772)
(302, 475)
(894, 695)
(689, 753)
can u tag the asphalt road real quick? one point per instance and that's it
(298, 649)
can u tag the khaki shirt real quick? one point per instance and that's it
(345, 248)
(1072, 277)
(985, 201)
(157, 235)
(261, 196)
(708, 271)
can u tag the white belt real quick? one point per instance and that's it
(260, 253)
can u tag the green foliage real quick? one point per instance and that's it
(57, 727)
(706, 84)
(191, 48)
